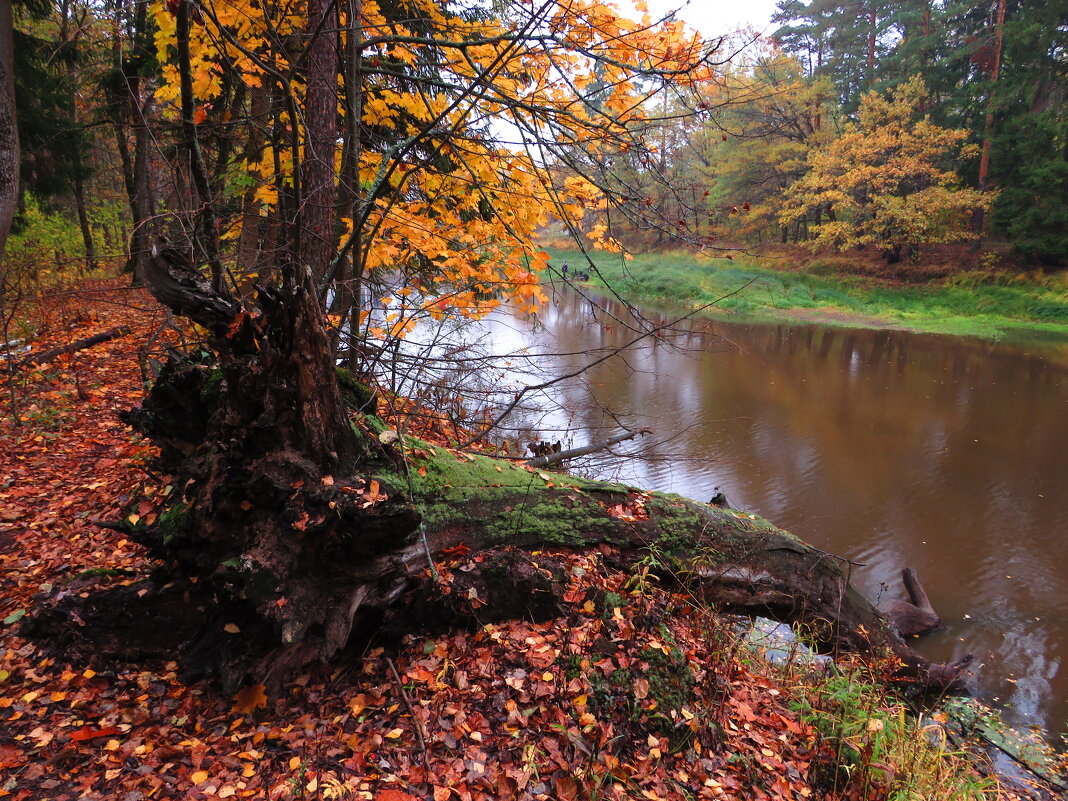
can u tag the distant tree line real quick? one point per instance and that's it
(869, 123)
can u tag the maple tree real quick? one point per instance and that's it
(883, 180)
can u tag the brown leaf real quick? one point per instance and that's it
(567, 788)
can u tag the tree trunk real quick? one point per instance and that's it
(317, 168)
(205, 226)
(304, 523)
(979, 221)
(249, 243)
(132, 114)
(9, 129)
(77, 161)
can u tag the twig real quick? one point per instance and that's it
(419, 734)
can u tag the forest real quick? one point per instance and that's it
(269, 530)
(887, 126)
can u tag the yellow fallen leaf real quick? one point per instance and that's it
(249, 698)
(199, 777)
(394, 734)
(231, 628)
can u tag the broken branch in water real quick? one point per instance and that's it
(574, 453)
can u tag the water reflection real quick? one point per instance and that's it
(891, 449)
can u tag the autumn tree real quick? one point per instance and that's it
(776, 118)
(441, 219)
(887, 180)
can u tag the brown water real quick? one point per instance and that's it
(946, 454)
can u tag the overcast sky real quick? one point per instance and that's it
(714, 17)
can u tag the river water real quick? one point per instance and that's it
(946, 454)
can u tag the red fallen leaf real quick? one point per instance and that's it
(10, 756)
(456, 550)
(419, 674)
(235, 324)
(567, 789)
(394, 795)
(88, 733)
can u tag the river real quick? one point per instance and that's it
(946, 454)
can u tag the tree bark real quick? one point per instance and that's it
(979, 221)
(317, 167)
(9, 129)
(205, 226)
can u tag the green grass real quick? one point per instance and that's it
(881, 750)
(991, 305)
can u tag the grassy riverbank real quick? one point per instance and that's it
(969, 303)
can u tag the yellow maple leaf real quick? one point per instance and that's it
(250, 698)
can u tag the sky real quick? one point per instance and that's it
(714, 17)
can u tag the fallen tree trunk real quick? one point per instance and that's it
(80, 344)
(736, 561)
(305, 523)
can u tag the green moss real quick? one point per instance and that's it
(608, 603)
(677, 522)
(172, 524)
(356, 394)
(671, 684)
(557, 520)
(211, 388)
(101, 572)
(509, 501)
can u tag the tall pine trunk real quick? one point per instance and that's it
(979, 226)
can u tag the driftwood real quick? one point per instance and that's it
(306, 525)
(574, 453)
(81, 344)
(915, 616)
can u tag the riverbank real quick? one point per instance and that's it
(991, 305)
